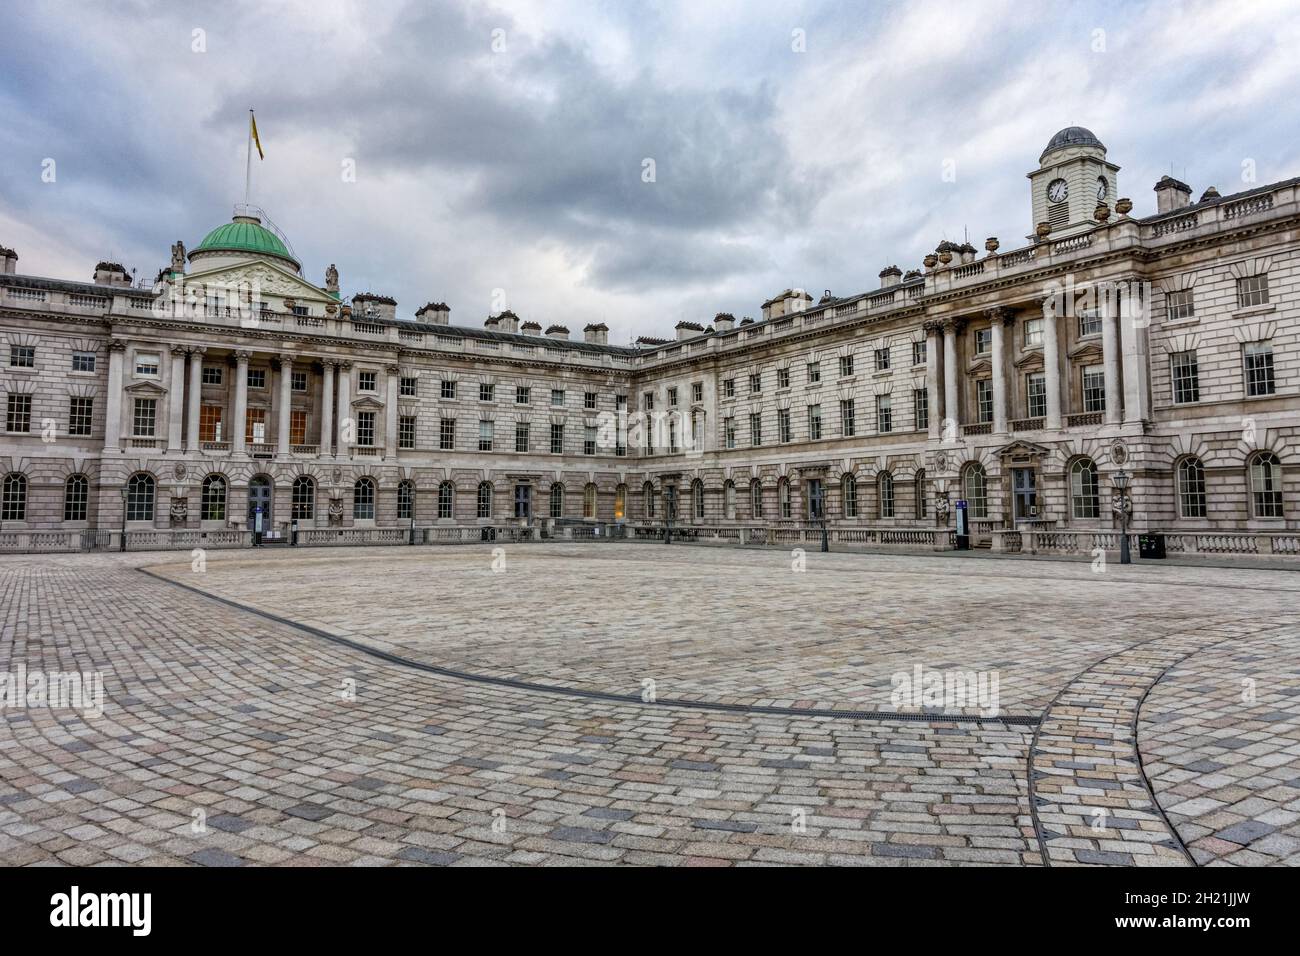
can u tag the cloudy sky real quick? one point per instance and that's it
(503, 145)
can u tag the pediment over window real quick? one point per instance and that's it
(1023, 450)
(1086, 351)
(367, 401)
(980, 365)
(1030, 360)
(145, 390)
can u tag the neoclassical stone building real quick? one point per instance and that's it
(1019, 380)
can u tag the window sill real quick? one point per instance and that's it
(1253, 310)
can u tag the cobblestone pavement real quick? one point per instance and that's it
(230, 739)
(1220, 740)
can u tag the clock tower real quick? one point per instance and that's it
(1072, 177)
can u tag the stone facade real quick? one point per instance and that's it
(1021, 381)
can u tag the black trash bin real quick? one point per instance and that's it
(1151, 545)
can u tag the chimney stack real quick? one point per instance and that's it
(724, 322)
(531, 328)
(596, 334)
(688, 330)
(1172, 194)
(434, 313)
(557, 332)
(8, 261)
(890, 276)
(368, 305)
(509, 322)
(111, 273)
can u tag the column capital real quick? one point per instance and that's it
(286, 360)
(117, 345)
(243, 355)
(954, 324)
(392, 369)
(343, 365)
(1001, 313)
(932, 326)
(179, 351)
(198, 351)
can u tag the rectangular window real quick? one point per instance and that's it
(814, 422)
(1094, 388)
(366, 429)
(367, 381)
(728, 388)
(145, 418)
(557, 439)
(83, 361)
(783, 425)
(297, 426)
(557, 398)
(672, 398)
(486, 392)
(589, 401)
(984, 399)
(298, 382)
(523, 394)
(447, 434)
(918, 352)
(521, 436)
(884, 414)
(782, 378)
(19, 413)
(920, 409)
(146, 364)
(255, 427)
(648, 400)
(697, 392)
(848, 426)
(213, 375)
(1033, 332)
(79, 415)
(589, 440)
(755, 429)
(983, 341)
(1179, 305)
(1252, 290)
(257, 377)
(406, 431)
(729, 432)
(1258, 359)
(448, 390)
(882, 359)
(755, 383)
(24, 356)
(210, 423)
(76, 497)
(1036, 394)
(408, 386)
(846, 362)
(1184, 375)
(672, 437)
(1089, 322)
(485, 435)
(814, 372)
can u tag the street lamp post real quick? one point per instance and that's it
(124, 498)
(1121, 504)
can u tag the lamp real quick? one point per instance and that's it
(1121, 480)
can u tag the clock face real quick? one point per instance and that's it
(1102, 188)
(1057, 190)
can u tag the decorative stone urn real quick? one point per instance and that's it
(945, 257)
(1043, 231)
(992, 245)
(1124, 206)
(1102, 212)
(931, 261)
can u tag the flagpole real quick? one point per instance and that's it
(248, 162)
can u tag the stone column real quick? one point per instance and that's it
(285, 402)
(932, 345)
(327, 409)
(1134, 306)
(240, 424)
(113, 398)
(390, 413)
(175, 399)
(347, 426)
(194, 399)
(950, 380)
(1051, 365)
(1110, 355)
(1000, 318)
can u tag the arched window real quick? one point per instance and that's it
(1191, 488)
(729, 499)
(363, 499)
(304, 498)
(783, 496)
(849, 496)
(213, 507)
(557, 500)
(1266, 486)
(140, 491)
(697, 499)
(76, 495)
(921, 495)
(620, 502)
(975, 488)
(446, 496)
(13, 505)
(1084, 501)
(648, 493)
(405, 500)
(756, 499)
(485, 499)
(885, 488)
(589, 501)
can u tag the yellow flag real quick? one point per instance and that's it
(256, 142)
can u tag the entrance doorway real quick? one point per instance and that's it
(1024, 490)
(259, 502)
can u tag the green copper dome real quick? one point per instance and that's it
(245, 235)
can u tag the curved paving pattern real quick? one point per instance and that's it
(1220, 740)
(216, 712)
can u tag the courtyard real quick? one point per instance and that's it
(650, 704)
